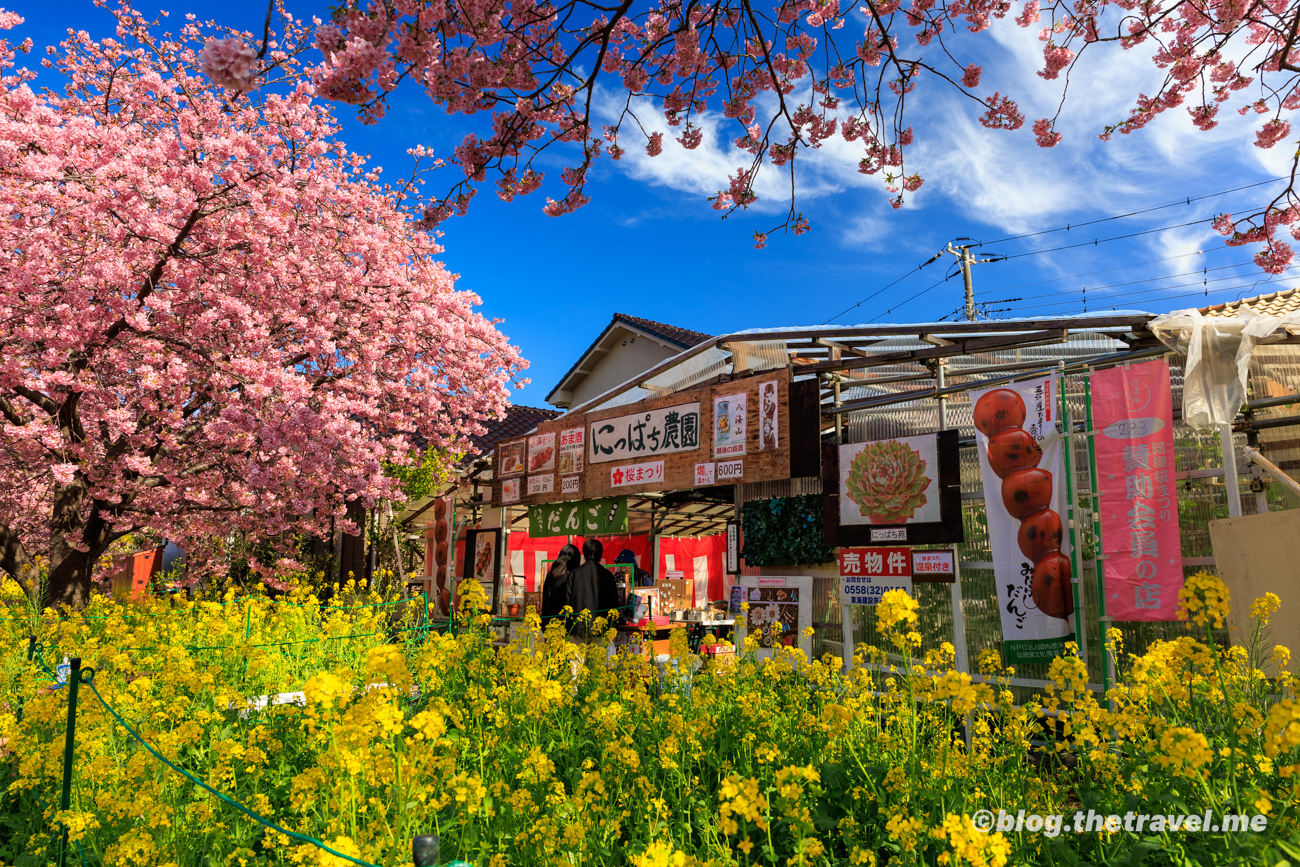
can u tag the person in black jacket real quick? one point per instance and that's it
(557, 590)
(594, 590)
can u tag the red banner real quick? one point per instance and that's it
(701, 560)
(1132, 413)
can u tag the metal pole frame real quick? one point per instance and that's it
(69, 747)
(1098, 552)
(1076, 566)
(962, 651)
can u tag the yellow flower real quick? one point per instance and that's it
(1204, 598)
(1185, 750)
(1282, 731)
(1265, 607)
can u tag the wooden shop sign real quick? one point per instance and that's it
(755, 429)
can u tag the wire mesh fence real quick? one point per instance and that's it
(1198, 459)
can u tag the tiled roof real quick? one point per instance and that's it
(1273, 304)
(683, 337)
(519, 420)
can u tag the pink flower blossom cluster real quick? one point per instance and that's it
(228, 62)
(537, 72)
(218, 320)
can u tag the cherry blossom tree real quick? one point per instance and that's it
(790, 76)
(213, 317)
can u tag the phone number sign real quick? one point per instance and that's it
(866, 573)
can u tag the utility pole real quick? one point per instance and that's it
(963, 254)
(965, 257)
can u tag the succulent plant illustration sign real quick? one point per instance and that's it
(891, 491)
(1022, 464)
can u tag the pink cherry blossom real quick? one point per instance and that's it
(218, 319)
(228, 62)
(1272, 133)
(1045, 135)
(538, 75)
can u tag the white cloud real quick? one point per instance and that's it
(994, 178)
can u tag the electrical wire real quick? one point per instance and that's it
(873, 294)
(913, 298)
(1157, 297)
(1086, 289)
(1095, 241)
(1107, 270)
(1069, 226)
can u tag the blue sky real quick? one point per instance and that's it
(649, 245)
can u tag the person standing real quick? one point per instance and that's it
(557, 591)
(594, 591)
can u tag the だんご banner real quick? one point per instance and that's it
(1132, 414)
(1022, 464)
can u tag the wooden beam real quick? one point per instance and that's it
(961, 347)
(841, 347)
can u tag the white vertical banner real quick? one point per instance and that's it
(700, 574)
(1022, 464)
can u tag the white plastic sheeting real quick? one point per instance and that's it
(1218, 350)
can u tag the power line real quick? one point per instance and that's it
(1106, 270)
(1147, 280)
(1158, 296)
(1068, 226)
(914, 297)
(1186, 202)
(1095, 241)
(873, 295)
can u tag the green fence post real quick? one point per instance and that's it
(248, 631)
(1098, 549)
(69, 742)
(1071, 496)
(31, 654)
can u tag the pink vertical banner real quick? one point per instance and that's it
(1132, 414)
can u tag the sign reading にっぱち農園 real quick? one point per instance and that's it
(601, 517)
(665, 431)
(668, 443)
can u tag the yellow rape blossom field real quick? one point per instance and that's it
(547, 752)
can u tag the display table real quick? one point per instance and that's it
(656, 633)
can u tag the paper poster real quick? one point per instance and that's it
(777, 600)
(893, 481)
(768, 428)
(1022, 464)
(729, 425)
(934, 566)
(1132, 412)
(510, 490)
(730, 471)
(541, 453)
(541, 485)
(705, 474)
(867, 573)
(512, 459)
(572, 448)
